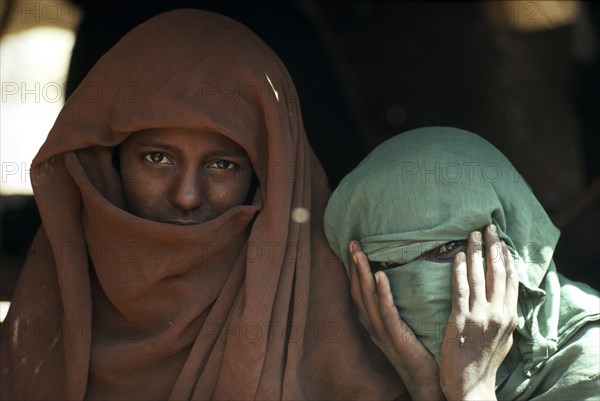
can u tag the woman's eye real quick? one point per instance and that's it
(388, 265)
(449, 249)
(380, 266)
(222, 165)
(445, 252)
(157, 158)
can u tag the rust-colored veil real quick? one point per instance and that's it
(249, 305)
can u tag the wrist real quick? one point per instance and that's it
(425, 388)
(479, 396)
(479, 392)
(434, 393)
(422, 384)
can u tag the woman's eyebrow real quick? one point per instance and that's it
(173, 148)
(154, 144)
(227, 152)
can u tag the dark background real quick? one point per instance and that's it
(523, 75)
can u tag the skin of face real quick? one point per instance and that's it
(180, 176)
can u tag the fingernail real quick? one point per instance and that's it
(377, 278)
(493, 228)
(355, 259)
(477, 236)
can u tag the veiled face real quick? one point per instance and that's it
(180, 176)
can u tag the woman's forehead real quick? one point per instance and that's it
(183, 139)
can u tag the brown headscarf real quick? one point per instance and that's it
(249, 305)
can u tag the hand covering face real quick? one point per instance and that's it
(432, 186)
(249, 305)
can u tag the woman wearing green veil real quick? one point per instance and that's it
(421, 270)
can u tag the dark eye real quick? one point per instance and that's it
(157, 158)
(449, 246)
(379, 266)
(222, 165)
(443, 253)
(446, 252)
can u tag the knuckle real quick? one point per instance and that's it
(456, 321)
(475, 318)
(384, 310)
(475, 247)
(462, 292)
(506, 324)
(496, 319)
(478, 282)
(494, 252)
(499, 272)
(512, 277)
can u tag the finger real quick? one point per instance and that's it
(395, 326)
(495, 275)
(475, 269)
(355, 288)
(368, 292)
(404, 340)
(460, 285)
(512, 281)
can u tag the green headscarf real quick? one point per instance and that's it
(433, 185)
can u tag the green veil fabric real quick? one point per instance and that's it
(433, 185)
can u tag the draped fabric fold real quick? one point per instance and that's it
(249, 305)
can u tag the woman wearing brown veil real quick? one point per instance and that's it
(163, 270)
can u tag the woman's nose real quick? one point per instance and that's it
(186, 192)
